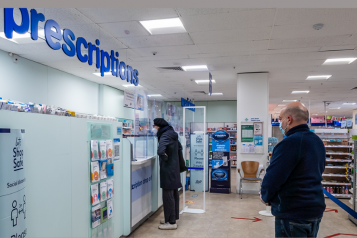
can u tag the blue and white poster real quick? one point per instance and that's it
(220, 174)
(197, 161)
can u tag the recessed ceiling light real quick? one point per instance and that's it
(289, 100)
(154, 95)
(164, 26)
(195, 68)
(339, 61)
(318, 77)
(281, 105)
(349, 103)
(204, 81)
(216, 93)
(296, 92)
(105, 74)
(334, 108)
(130, 85)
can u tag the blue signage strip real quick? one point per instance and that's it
(210, 84)
(104, 61)
(187, 103)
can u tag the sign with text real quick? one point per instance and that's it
(12, 184)
(210, 84)
(220, 174)
(198, 160)
(129, 99)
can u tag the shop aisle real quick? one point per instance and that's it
(217, 221)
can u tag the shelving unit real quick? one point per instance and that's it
(336, 177)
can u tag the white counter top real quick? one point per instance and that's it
(142, 160)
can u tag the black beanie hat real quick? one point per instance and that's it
(160, 122)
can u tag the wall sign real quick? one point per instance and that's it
(128, 99)
(247, 132)
(104, 61)
(251, 119)
(258, 128)
(13, 207)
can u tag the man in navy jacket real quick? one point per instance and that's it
(292, 184)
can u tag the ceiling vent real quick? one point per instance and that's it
(169, 69)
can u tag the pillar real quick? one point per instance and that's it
(252, 102)
(354, 124)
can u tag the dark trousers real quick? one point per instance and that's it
(297, 228)
(171, 203)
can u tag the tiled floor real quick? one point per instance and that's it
(217, 221)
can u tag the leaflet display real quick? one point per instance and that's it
(221, 173)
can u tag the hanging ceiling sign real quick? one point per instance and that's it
(53, 34)
(187, 103)
(210, 84)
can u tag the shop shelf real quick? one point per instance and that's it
(335, 167)
(338, 160)
(335, 153)
(233, 144)
(338, 146)
(334, 175)
(234, 151)
(233, 166)
(341, 195)
(127, 128)
(328, 183)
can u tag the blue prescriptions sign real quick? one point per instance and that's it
(187, 103)
(52, 30)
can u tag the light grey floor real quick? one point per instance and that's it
(217, 221)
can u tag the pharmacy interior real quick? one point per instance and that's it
(79, 92)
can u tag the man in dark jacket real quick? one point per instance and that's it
(168, 152)
(292, 184)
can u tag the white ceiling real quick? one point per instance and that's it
(230, 41)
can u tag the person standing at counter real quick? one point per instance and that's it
(168, 151)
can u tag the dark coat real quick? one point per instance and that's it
(169, 165)
(292, 184)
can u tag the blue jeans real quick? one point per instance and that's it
(297, 228)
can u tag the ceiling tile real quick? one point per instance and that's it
(244, 34)
(236, 46)
(104, 15)
(117, 29)
(168, 50)
(157, 40)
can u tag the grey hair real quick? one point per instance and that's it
(297, 113)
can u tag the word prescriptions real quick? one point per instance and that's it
(52, 30)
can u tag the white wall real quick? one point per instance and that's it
(28, 81)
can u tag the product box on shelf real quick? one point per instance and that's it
(95, 171)
(96, 216)
(95, 194)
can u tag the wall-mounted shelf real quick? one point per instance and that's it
(338, 160)
(333, 175)
(328, 183)
(335, 167)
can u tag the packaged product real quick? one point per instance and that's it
(109, 144)
(110, 187)
(95, 194)
(96, 216)
(116, 146)
(104, 215)
(102, 150)
(103, 169)
(94, 150)
(95, 171)
(103, 191)
(110, 208)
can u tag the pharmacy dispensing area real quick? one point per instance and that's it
(80, 88)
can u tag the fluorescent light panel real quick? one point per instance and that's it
(216, 94)
(289, 100)
(334, 108)
(204, 81)
(164, 26)
(318, 77)
(195, 68)
(130, 85)
(339, 61)
(105, 74)
(296, 92)
(154, 95)
(349, 103)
